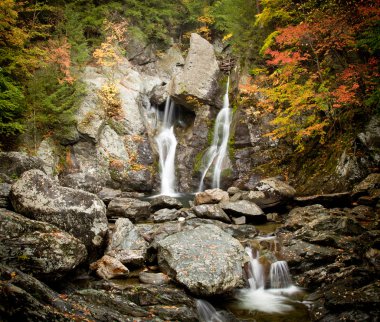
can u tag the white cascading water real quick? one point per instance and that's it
(217, 152)
(271, 300)
(167, 143)
(207, 312)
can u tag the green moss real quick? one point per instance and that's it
(198, 161)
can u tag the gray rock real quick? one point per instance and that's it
(37, 247)
(199, 77)
(211, 212)
(168, 202)
(163, 215)
(244, 208)
(134, 209)
(48, 153)
(370, 138)
(211, 196)
(107, 194)
(137, 180)
(205, 259)
(5, 189)
(108, 267)
(14, 164)
(276, 192)
(233, 190)
(77, 212)
(126, 244)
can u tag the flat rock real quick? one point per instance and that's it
(333, 200)
(154, 278)
(161, 202)
(213, 211)
(211, 196)
(108, 267)
(77, 212)
(37, 247)
(244, 208)
(133, 209)
(107, 194)
(205, 259)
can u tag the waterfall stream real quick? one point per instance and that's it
(167, 143)
(216, 153)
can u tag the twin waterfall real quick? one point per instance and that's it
(167, 143)
(214, 156)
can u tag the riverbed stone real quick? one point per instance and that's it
(332, 200)
(246, 208)
(365, 187)
(107, 194)
(205, 259)
(133, 209)
(211, 196)
(77, 212)
(163, 215)
(109, 267)
(211, 211)
(168, 202)
(37, 247)
(126, 244)
(154, 278)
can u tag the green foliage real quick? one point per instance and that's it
(51, 104)
(12, 104)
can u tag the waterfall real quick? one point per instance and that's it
(271, 300)
(280, 275)
(217, 152)
(207, 312)
(167, 143)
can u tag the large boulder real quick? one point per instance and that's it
(199, 77)
(14, 164)
(161, 202)
(134, 209)
(205, 259)
(126, 244)
(246, 208)
(211, 196)
(211, 212)
(276, 192)
(77, 212)
(38, 248)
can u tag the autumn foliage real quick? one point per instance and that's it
(320, 73)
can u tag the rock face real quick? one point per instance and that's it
(199, 77)
(77, 212)
(206, 260)
(126, 244)
(336, 259)
(245, 208)
(14, 164)
(38, 248)
(134, 209)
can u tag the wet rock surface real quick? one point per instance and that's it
(336, 258)
(245, 208)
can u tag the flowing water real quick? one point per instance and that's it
(216, 153)
(167, 143)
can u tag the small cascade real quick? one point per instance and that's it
(280, 275)
(207, 312)
(260, 298)
(216, 153)
(167, 143)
